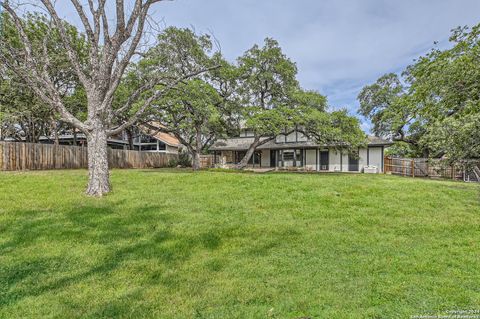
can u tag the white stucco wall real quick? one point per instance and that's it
(311, 159)
(345, 162)
(265, 158)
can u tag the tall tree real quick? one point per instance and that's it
(273, 103)
(24, 115)
(435, 106)
(393, 113)
(267, 80)
(196, 110)
(111, 47)
(192, 113)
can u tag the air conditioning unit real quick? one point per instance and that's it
(370, 169)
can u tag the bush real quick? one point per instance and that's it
(183, 160)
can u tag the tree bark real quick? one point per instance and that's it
(197, 151)
(244, 162)
(251, 149)
(196, 161)
(74, 136)
(98, 175)
(130, 139)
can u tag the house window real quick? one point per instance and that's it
(149, 147)
(147, 139)
(162, 146)
(288, 156)
(291, 158)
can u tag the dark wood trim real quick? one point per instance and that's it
(341, 161)
(368, 155)
(383, 155)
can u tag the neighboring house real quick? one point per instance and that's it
(142, 141)
(157, 142)
(296, 150)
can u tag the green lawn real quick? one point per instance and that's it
(174, 244)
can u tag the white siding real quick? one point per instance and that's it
(311, 159)
(345, 162)
(301, 137)
(265, 158)
(362, 161)
(292, 137)
(376, 157)
(334, 160)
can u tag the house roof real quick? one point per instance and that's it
(166, 138)
(243, 143)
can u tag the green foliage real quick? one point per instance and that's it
(24, 115)
(401, 149)
(436, 105)
(273, 102)
(184, 160)
(267, 82)
(173, 244)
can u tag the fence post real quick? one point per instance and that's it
(413, 168)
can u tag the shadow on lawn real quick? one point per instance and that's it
(49, 251)
(136, 234)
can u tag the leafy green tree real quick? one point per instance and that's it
(273, 103)
(113, 42)
(445, 84)
(393, 113)
(24, 115)
(267, 82)
(435, 106)
(199, 110)
(191, 112)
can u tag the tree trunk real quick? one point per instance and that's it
(54, 129)
(74, 136)
(198, 150)
(130, 139)
(98, 175)
(244, 162)
(196, 161)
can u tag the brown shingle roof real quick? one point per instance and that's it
(166, 138)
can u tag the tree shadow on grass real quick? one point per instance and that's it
(134, 236)
(93, 243)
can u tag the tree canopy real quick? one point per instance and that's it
(434, 107)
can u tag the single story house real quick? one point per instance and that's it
(296, 150)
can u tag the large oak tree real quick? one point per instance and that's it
(113, 39)
(434, 107)
(273, 103)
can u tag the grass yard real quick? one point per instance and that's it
(174, 244)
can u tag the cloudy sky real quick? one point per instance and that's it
(339, 45)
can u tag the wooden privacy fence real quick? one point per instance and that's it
(28, 156)
(434, 168)
(206, 161)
